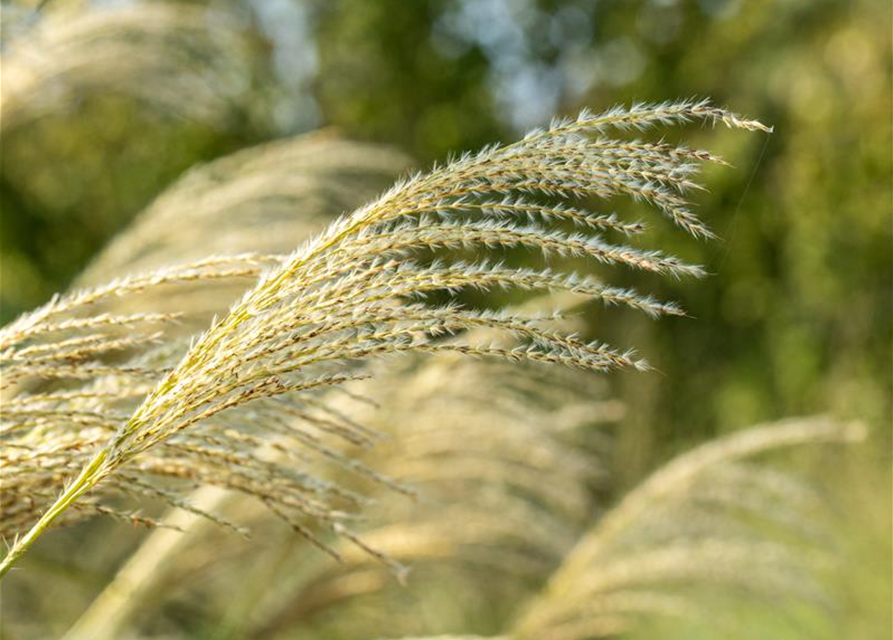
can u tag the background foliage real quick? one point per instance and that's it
(797, 316)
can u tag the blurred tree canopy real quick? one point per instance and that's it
(797, 315)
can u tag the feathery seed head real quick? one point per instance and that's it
(346, 297)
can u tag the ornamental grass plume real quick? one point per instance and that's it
(354, 293)
(504, 488)
(485, 443)
(711, 522)
(496, 445)
(709, 530)
(252, 204)
(154, 53)
(74, 370)
(713, 530)
(71, 376)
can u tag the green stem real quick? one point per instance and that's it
(84, 482)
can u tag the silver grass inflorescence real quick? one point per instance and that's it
(504, 490)
(708, 525)
(151, 52)
(489, 443)
(75, 369)
(73, 372)
(354, 292)
(708, 519)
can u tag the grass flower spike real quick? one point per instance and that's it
(356, 292)
(74, 370)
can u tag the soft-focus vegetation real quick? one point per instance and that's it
(141, 134)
